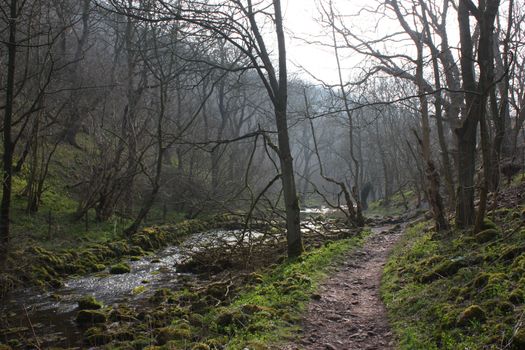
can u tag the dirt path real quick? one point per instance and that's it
(347, 313)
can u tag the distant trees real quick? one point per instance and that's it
(456, 90)
(30, 36)
(137, 109)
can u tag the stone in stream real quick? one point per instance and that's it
(88, 302)
(87, 318)
(119, 269)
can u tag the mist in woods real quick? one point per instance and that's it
(120, 115)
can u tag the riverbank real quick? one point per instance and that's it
(35, 266)
(242, 291)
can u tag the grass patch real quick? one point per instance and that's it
(458, 292)
(394, 206)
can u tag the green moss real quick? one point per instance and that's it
(196, 320)
(122, 313)
(487, 235)
(201, 346)
(98, 267)
(90, 317)
(119, 269)
(497, 285)
(489, 224)
(511, 252)
(470, 314)
(139, 290)
(517, 296)
(217, 343)
(161, 295)
(481, 280)
(96, 336)
(89, 302)
(444, 269)
(434, 303)
(227, 317)
(166, 334)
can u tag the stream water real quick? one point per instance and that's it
(50, 316)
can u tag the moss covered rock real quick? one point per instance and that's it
(119, 269)
(122, 313)
(486, 235)
(166, 334)
(481, 280)
(517, 296)
(444, 269)
(162, 295)
(511, 252)
(227, 317)
(470, 314)
(88, 302)
(97, 267)
(489, 224)
(201, 346)
(90, 317)
(96, 336)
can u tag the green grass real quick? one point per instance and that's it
(53, 225)
(431, 281)
(282, 295)
(378, 208)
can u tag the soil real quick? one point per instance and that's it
(347, 313)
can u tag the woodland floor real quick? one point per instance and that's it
(347, 313)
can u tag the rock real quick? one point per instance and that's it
(489, 224)
(316, 296)
(119, 269)
(227, 317)
(486, 235)
(90, 317)
(172, 333)
(471, 313)
(444, 269)
(516, 296)
(88, 302)
(200, 346)
(98, 267)
(95, 336)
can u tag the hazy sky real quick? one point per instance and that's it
(301, 19)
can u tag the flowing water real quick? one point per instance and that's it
(50, 317)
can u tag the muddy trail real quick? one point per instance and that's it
(347, 312)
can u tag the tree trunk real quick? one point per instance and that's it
(293, 234)
(475, 98)
(466, 132)
(7, 158)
